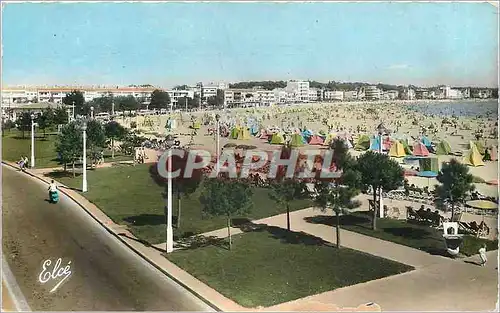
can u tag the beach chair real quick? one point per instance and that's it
(411, 214)
(484, 230)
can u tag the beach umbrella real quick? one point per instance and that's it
(428, 174)
(483, 205)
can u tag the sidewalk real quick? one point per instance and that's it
(7, 303)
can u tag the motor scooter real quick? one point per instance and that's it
(53, 196)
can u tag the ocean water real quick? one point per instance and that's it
(457, 108)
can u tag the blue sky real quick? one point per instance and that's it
(175, 43)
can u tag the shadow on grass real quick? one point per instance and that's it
(144, 242)
(63, 174)
(345, 220)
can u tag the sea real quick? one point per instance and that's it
(466, 108)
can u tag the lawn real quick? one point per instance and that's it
(271, 266)
(417, 236)
(14, 146)
(128, 195)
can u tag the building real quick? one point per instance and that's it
(243, 97)
(390, 94)
(210, 90)
(351, 95)
(314, 94)
(280, 95)
(299, 89)
(264, 96)
(422, 94)
(176, 94)
(372, 93)
(450, 93)
(407, 94)
(14, 96)
(482, 93)
(333, 95)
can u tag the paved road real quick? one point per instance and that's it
(105, 274)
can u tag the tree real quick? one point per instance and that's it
(69, 144)
(7, 125)
(24, 122)
(456, 184)
(159, 99)
(60, 116)
(114, 131)
(379, 171)
(337, 194)
(102, 104)
(128, 103)
(96, 140)
(75, 97)
(46, 119)
(226, 197)
(130, 141)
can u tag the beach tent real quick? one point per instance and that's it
(196, 125)
(397, 150)
(254, 130)
(329, 138)
(473, 157)
(307, 134)
(420, 150)
(430, 164)
(443, 148)
(480, 146)
(363, 143)
(297, 140)
(315, 140)
(234, 132)
(386, 143)
(322, 133)
(375, 143)
(263, 134)
(243, 134)
(277, 139)
(426, 141)
(407, 147)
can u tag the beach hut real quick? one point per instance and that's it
(473, 157)
(420, 150)
(407, 147)
(316, 140)
(254, 130)
(234, 132)
(397, 150)
(277, 139)
(329, 138)
(480, 146)
(296, 141)
(443, 148)
(375, 144)
(363, 143)
(243, 134)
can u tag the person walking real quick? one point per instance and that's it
(482, 255)
(21, 164)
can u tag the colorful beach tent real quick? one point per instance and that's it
(426, 141)
(443, 148)
(363, 143)
(420, 150)
(397, 150)
(297, 140)
(375, 143)
(254, 130)
(328, 140)
(316, 140)
(243, 134)
(480, 146)
(196, 125)
(234, 132)
(473, 157)
(407, 147)
(277, 139)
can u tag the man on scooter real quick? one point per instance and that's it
(52, 191)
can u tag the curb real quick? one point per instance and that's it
(109, 230)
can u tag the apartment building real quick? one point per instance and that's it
(390, 94)
(280, 95)
(300, 90)
(14, 96)
(372, 93)
(422, 94)
(176, 94)
(450, 93)
(482, 93)
(264, 96)
(351, 95)
(314, 94)
(407, 94)
(335, 95)
(210, 90)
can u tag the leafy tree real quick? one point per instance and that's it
(60, 116)
(114, 131)
(337, 194)
(159, 99)
(102, 104)
(379, 171)
(96, 140)
(69, 144)
(130, 142)
(7, 125)
(128, 103)
(24, 122)
(226, 197)
(46, 119)
(75, 97)
(456, 184)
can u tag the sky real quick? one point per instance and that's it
(167, 44)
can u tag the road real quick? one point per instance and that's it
(105, 274)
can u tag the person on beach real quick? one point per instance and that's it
(482, 255)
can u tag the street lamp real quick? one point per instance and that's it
(73, 109)
(32, 140)
(381, 131)
(92, 112)
(170, 143)
(84, 183)
(217, 142)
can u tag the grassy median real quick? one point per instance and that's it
(14, 146)
(271, 266)
(128, 195)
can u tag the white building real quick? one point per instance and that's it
(335, 95)
(300, 90)
(280, 95)
(14, 96)
(372, 93)
(176, 94)
(450, 93)
(210, 90)
(314, 94)
(390, 94)
(265, 97)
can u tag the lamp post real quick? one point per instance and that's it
(381, 131)
(73, 106)
(32, 140)
(92, 112)
(170, 143)
(84, 183)
(217, 138)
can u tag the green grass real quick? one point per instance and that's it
(14, 146)
(272, 266)
(128, 194)
(413, 235)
